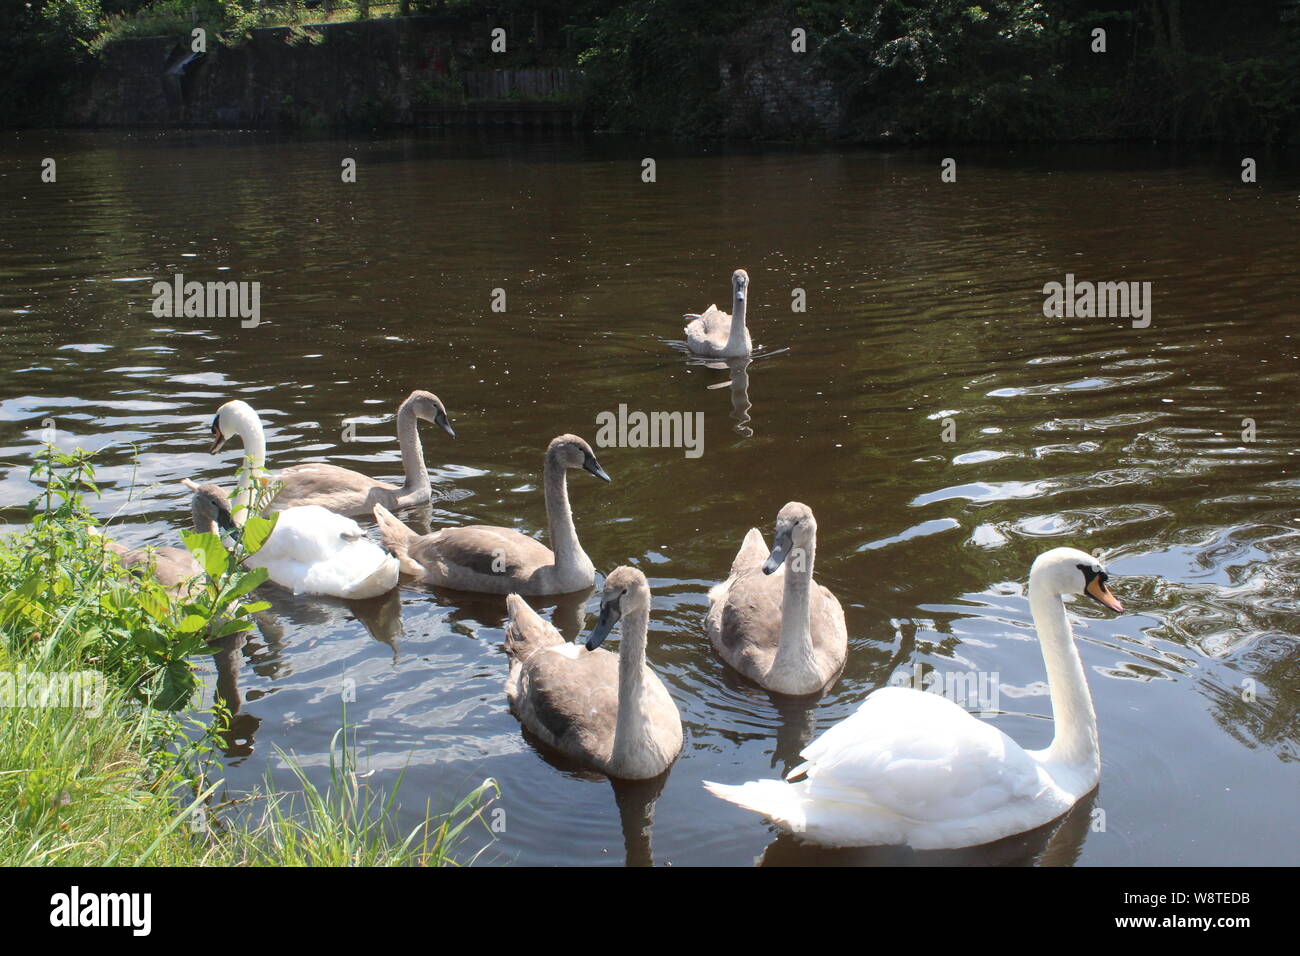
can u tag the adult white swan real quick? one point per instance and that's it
(312, 550)
(912, 767)
(609, 711)
(341, 490)
(501, 560)
(713, 332)
(770, 620)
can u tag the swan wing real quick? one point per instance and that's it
(308, 533)
(526, 631)
(315, 551)
(710, 324)
(483, 550)
(568, 695)
(921, 757)
(330, 486)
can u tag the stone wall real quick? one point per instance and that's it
(355, 73)
(771, 92)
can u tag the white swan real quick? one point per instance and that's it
(610, 711)
(714, 332)
(314, 551)
(912, 767)
(341, 490)
(770, 620)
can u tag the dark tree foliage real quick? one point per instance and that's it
(42, 55)
(901, 70)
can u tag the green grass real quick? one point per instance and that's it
(131, 779)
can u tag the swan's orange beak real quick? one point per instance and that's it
(218, 440)
(1098, 591)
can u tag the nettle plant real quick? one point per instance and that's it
(69, 596)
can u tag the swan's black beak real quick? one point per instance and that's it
(440, 419)
(780, 551)
(609, 615)
(590, 464)
(218, 439)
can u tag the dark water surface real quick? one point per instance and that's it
(924, 304)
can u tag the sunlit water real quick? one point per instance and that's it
(924, 304)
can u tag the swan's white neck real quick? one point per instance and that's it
(632, 732)
(249, 428)
(416, 476)
(737, 334)
(794, 653)
(1075, 744)
(569, 555)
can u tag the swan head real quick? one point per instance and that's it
(210, 508)
(740, 284)
(795, 534)
(230, 420)
(428, 407)
(626, 592)
(572, 452)
(1071, 571)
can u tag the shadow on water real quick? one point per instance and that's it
(1053, 844)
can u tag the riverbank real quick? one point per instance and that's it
(859, 73)
(105, 760)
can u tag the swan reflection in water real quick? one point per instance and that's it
(1057, 843)
(738, 369)
(739, 385)
(380, 616)
(635, 799)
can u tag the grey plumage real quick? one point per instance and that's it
(609, 711)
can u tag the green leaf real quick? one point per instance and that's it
(149, 640)
(234, 627)
(247, 582)
(177, 686)
(255, 608)
(154, 604)
(256, 531)
(191, 624)
(208, 551)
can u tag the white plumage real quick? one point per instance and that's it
(913, 767)
(315, 551)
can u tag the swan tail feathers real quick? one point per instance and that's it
(397, 538)
(753, 552)
(780, 802)
(526, 632)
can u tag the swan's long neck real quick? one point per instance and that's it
(249, 429)
(737, 333)
(203, 517)
(795, 651)
(564, 536)
(632, 731)
(1075, 742)
(416, 483)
